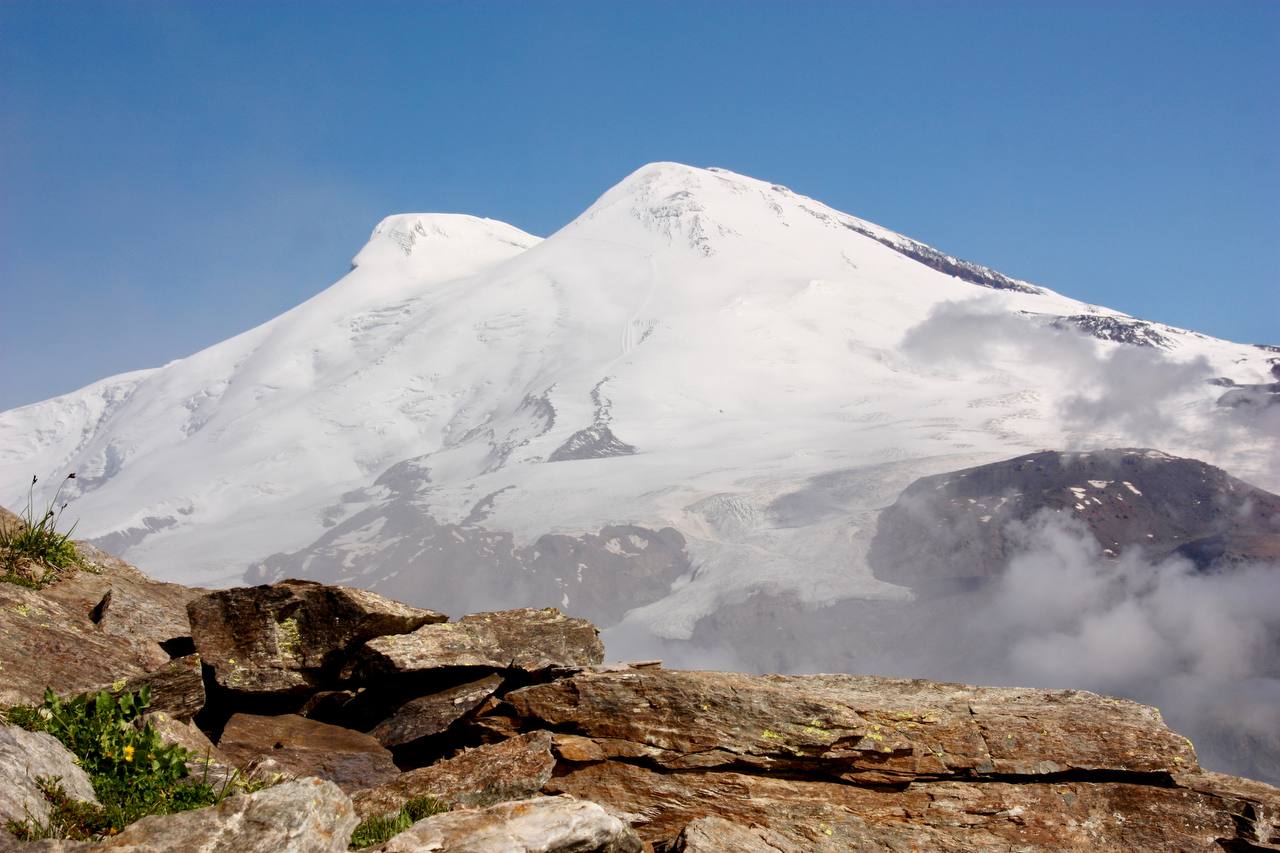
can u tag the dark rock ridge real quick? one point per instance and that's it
(950, 532)
(511, 718)
(944, 263)
(1121, 330)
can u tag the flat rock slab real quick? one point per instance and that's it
(429, 715)
(289, 637)
(295, 745)
(512, 769)
(303, 816)
(528, 639)
(873, 730)
(543, 825)
(27, 756)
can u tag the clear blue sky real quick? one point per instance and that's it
(174, 173)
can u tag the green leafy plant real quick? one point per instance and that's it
(134, 773)
(380, 828)
(37, 542)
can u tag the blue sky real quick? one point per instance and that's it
(174, 173)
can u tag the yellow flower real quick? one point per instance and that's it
(128, 753)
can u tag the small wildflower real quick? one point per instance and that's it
(128, 753)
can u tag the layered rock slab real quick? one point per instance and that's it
(292, 636)
(833, 817)
(526, 639)
(839, 763)
(297, 746)
(865, 729)
(542, 825)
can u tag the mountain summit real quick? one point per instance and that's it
(702, 387)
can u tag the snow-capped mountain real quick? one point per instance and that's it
(704, 387)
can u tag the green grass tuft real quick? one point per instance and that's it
(381, 828)
(33, 552)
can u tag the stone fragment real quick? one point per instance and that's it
(527, 639)
(542, 825)
(290, 636)
(512, 769)
(303, 816)
(27, 756)
(297, 746)
(429, 715)
(177, 688)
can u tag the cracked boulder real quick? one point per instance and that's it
(542, 825)
(527, 639)
(296, 746)
(293, 636)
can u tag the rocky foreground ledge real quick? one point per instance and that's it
(512, 719)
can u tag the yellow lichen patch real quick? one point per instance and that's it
(288, 637)
(769, 734)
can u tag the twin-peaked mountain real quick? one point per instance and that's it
(702, 389)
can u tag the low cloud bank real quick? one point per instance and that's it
(1202, 647)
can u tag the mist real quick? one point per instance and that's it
(1203, 647)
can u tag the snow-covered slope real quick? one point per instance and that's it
(472, 413)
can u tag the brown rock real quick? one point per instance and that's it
(429, 715)
(297, 746)
(826, 817)
(526, 639)
(542, 825)
(78, 646)
(72, 654)
(727, 762)
(867, 729)
(512, 769)
(122, 602)
(289, 637)
(177, 688)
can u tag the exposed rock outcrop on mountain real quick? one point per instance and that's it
(511, 721)
(950, 532)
